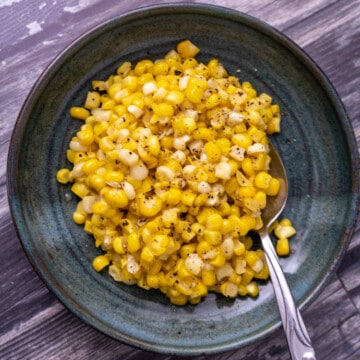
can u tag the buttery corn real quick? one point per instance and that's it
(171, 169)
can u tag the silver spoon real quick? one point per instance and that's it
(296, 334)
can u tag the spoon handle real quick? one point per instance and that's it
(297, 336)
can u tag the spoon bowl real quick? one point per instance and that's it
(296, 334)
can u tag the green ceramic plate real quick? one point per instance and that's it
(316, 143)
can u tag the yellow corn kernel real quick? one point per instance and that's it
(153, 145)
(100, 262)
(260, 198)
(208, 277)
(198, 290)
(142, 67)
(179, 300)
(152, 281)
(187, 249)
(160, 67)
(159, 244)
(92, 100)
(248, 167)
(204, 134)
(243, 140)
(246, 192)
(273, 126)
(262, 180)
(212, 101)
(187, 49)
(195, 89)
(188, 198)
(96, 181)
(181, 270)
(163, 109)
(256, 134)
(212, 151)
(149, 205)
(133, 242)
(106, 144)
(113, 176)
(252, 257)
(189, 63)
(118, 245)
(146, 254)
(247, 276)
(79, 218)
(102, 208)
(216, 69)
(282, 247)
(80, 189)
(174, 196)
(239, 248)
(116, 197)
(63, 176)
(175, 97)
(98, 85)
(274, 187)
(244, 224)
(263, 274)
(70, 155)
(213, 237)
(284, 229)
(229, 289)
(219, 260)
(79, 113)
(227, 226)
(90, 166)
(214, 222)
(124, 69)
(187, 235)
(224, 144)
(204, 214)
(252, 289)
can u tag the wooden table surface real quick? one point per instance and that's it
(33, 323)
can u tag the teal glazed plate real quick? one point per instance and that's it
(316, 143)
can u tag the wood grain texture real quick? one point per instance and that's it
(33, 324)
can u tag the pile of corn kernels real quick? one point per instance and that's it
(171, 169)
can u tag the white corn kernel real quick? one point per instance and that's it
(76, 146)
(135, 110)
(180, 142)
(189, 171)
(235, 118)
(194, 263)
(87, 203)
(258, 266)
(255, 149)
(224, 271)
(149, 88)
(237, 152)
(101, 114)
(123, 133)
(139, 171)
(128, 157)
(183, 82)
(204, 187)
(180, 156)
(160, 94)
(223, 170)
(164, 173)
(129, 190)
(196, 146)
(132, 266)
